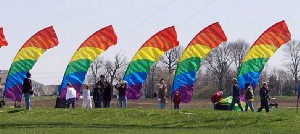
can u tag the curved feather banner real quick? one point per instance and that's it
(192, 57)
(3, 41)
(25, 60)
(145, 57)
(88, 51)
(260, 52)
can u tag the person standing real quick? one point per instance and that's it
(87, 101)
(249, 97)
(27, 90)
(106, 95)
(71, 95)
(176, 99)
(235, 95)
(97, 95)
(264, 97)
(162, 91)
(122, 100)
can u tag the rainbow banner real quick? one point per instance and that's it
(3, 42)
(192, 57)
(88, 51)
(25, 60)
(260, 52)
(145, 57)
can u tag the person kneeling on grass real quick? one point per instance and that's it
(176, 99)
(71, 95)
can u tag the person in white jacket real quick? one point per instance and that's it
(71, 95)
(87, 101)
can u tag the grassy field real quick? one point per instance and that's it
(41, 120)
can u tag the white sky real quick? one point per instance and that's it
(134, 22)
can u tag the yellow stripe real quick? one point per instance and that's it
(149, 53)
(195, 51)
(87, 53)
(260, 51)
(30, 53)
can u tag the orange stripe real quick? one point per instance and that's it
(103, 39)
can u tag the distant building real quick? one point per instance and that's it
(3, 75)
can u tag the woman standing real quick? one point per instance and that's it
(249, 97)
(87, 101)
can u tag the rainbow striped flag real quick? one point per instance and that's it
(3, 42)
(145, 57)
(88, 51)
(260, 52)
(192, 57)
(25, 60)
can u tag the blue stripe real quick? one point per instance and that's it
(15, 79)
(73, 78)
(251, 77)
(186, 78)
(134, 78)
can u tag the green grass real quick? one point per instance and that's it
(146, 121)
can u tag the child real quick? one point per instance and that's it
(176, 100)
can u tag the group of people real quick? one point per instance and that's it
(101, 94)
(249, 97)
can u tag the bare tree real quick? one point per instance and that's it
(113, 67)
(96, 69)
(239, 49)
(292, 50)
(219, 61)
(170, 58)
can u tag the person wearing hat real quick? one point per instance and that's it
(264, 97)
(27, 89)
(249, 97)
(235, 95)
(71, 95)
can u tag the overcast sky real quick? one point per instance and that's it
(134, 22)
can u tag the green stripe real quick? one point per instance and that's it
(253, 65)
(78, 65)
(21, 65)
(141, 65)
(189, 64)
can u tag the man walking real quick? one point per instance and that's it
(27, 90)
(263, 93)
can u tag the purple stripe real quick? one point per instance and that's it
(14, 93)
(133, 91)
(186, 93)
(63, 91)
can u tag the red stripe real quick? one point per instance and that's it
(44, 39)
(103, 39)
(164, 40)
(3, 41)
(210, 36)
(276, 35)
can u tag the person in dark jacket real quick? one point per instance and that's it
(107, 95)
(27, 90)
(97, 95)
(176, 99)
(249, 97)
(264, 97)
(122, 100)
(235, 95)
